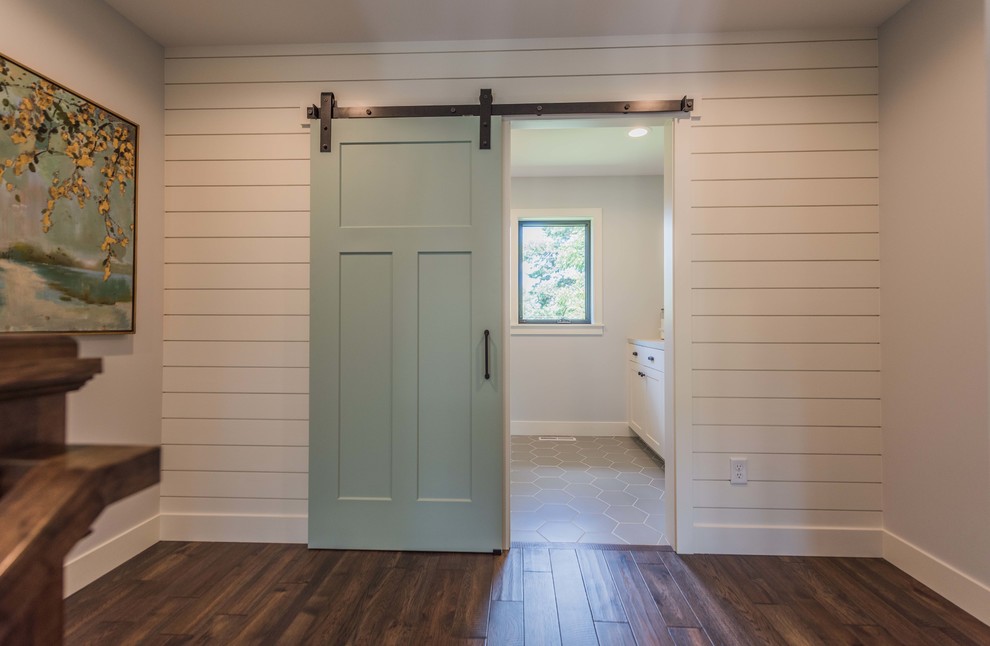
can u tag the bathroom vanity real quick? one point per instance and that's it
(646, 405)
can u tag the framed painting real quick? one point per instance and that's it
(68, 197)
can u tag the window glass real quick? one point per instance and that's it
(554, 271)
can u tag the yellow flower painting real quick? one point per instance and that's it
(68, 171)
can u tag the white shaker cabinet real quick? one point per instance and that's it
(646, 393)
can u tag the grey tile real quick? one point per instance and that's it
(545, 461)
(626, 514)
(523, 489)
(603, 472)
(522, 475)
(578, 477)
(528, 537)
(579, 489)
(610, 484)
(557, 496)
(637, 534)
(543, 450)
(615, 498)
(644, 491)
(525, 503)
(525, 520)
(597, 462)
(594, 522)
(649, 506)
(588, 505)
(635, 478)
(561, 532)
(605, 538)
(558, 512)
(550, 483)
(656, 521)
(549, 471)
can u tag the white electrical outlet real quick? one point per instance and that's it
(738, 470)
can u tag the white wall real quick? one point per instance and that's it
(934, 263)
(577, 384)
(89, 48)
(779, 200)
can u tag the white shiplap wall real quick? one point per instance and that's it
(783, 215)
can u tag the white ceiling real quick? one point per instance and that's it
(249, 22)
(569, 148)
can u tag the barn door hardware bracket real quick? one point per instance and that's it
(328, 110)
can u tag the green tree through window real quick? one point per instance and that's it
(554, 271)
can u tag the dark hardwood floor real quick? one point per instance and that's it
(242, 593)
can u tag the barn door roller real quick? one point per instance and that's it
(328, 110)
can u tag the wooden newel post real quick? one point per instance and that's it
(50, 493)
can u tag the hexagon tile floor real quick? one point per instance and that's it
(590, 490)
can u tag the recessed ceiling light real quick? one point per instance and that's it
(639, 132)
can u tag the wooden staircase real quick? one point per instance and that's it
(50, 493)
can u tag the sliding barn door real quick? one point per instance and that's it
(405, 430)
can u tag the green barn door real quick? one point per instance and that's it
(405, 431)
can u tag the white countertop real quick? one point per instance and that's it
(656, 344)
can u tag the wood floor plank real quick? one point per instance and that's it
(506, 627)
(474, 599)
(674, 607)
(614, 634)
(576, 625)
(684, 636)
(600, 588)
(718, 620)
(181, 593)
(644, 617)
(507, 584)
(536, 559)
(540, 622)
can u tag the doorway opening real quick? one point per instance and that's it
(585, 464)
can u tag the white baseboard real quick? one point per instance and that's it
(787, 541)
(577, 429)
(958, 587)
(234, 529)
(86, 568)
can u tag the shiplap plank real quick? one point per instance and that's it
(245, 354)
(792, 467)
(786, 246)
(231, 147)
(785, 138)
(237, 276)
(237, 301)
(243, 121)
(791, 110)
(563, 87)
(200, 457)
(751, 383)
(785, 356)
(237, 250)
(533, 62)
(785, 192)
(785, 329)
(238, 172)
(791, 302)
(232, 484)
(788, 412)
(789, 517)
(235, 406)
(234, 506)
(786, 165)
(785, 219)
(779, 273)
(788, 495)
(237, 198)
(235, 380)
(241, 432)
(788, 439)
(211, 224)
(236, 328)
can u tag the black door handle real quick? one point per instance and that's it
(488, 373)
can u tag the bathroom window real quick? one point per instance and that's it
(556, 271)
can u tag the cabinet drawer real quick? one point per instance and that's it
(645, 356)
